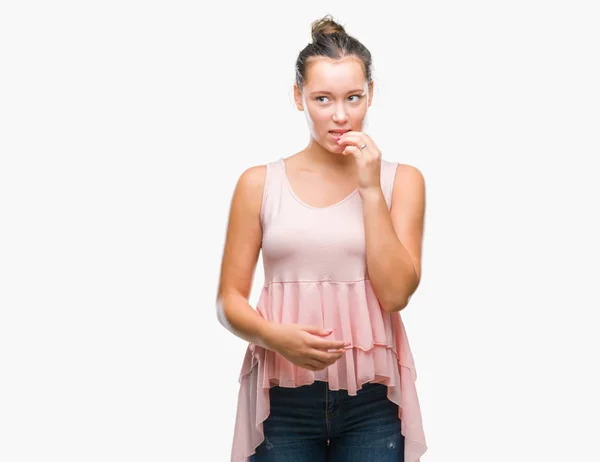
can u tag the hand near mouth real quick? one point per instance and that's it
(368, 159)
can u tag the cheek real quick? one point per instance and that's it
(359, 114)
(320, 119)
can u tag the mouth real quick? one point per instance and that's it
(336, 134)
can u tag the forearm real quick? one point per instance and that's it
(235, 314)
(391, 270)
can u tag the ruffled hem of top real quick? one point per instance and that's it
(378, 352)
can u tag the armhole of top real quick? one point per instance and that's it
(265, 195)
(392, 182)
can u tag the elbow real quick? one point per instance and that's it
(394, 308)
(400, 298)
(397, 305)
(221, 316)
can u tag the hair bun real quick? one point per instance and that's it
(326, 25)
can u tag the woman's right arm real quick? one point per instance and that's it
(240, 254)
(302, 345)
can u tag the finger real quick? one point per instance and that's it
(329, 357)
(350, 140)
(328, 344)
(354, 134)
(318, 365)
(336, 356)
(315, 330)
(353, 150)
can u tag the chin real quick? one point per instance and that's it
(334, 150)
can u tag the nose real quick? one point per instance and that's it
(340, 114)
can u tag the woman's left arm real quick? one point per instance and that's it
(394, 238)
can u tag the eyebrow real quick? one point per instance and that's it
(329, 93)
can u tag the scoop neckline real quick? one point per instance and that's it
(301, 202)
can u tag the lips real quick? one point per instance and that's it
(336, 136)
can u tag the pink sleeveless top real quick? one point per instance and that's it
(315, 273)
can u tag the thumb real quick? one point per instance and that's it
(317, 330)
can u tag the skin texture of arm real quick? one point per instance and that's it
(240, 254)
(394, 238)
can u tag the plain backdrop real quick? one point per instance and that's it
(124, 126)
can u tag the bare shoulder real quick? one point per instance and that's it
(408, 173)
(253, 178)
(250, 186)
(409, 182)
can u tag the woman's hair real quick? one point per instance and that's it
(331, 40)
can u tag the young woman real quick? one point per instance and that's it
(328, 374)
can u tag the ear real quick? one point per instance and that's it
(370, 92)
(298, 98)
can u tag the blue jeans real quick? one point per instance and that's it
(312, 423)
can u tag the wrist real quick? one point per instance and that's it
(266, 334)
(372, 194)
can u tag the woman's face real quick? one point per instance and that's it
(336, 96)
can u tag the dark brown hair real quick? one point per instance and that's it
(331, 40)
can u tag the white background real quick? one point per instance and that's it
(123, 129)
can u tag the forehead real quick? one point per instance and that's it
(337, 75)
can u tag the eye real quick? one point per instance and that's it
(318, 98)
